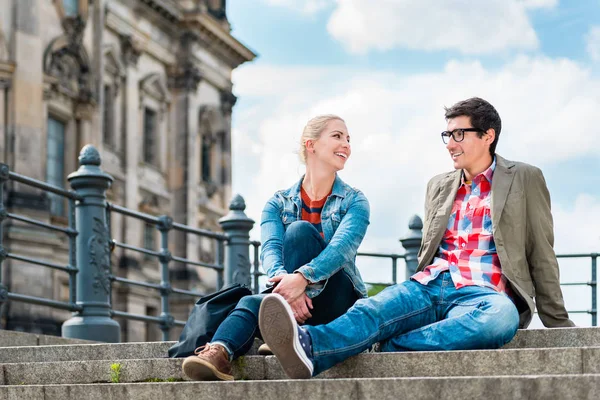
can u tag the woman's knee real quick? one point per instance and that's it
(301, 231)
(250, 303)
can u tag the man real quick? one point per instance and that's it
(487, 249)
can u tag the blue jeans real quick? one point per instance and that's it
(411, 317)
(302, 243)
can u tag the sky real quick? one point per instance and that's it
(389, 67)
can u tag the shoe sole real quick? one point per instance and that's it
(279, 330)
(200, 370)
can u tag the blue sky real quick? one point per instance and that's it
(388, 67)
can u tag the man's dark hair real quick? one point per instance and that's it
(483, 116)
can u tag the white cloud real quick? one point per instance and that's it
(474, 27)
(532, 4)
(308, 7)
(548, 106)
(593, 42)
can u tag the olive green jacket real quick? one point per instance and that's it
(522, 230)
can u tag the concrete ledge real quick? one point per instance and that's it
(556, 337)
(459, 363)
(493, 388)
(99, 371)
(13, 338)
(563, 361)
(81, 352)
(90, 351)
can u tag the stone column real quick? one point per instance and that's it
(132, 137)
(27, 93)
(3, 118)
(184, 79)
(228, 100)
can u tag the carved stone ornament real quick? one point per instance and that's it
(228, 100)
(131, 49)
(185, 75)
(99, 248)
(65, 58)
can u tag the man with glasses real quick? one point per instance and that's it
(487, 249)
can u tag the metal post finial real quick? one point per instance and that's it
(89, 155)
(411, 243)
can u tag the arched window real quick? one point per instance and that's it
(206, 157)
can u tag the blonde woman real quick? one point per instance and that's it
(310, 235)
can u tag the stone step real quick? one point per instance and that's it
(563, 361)
(14, 338)
(531, 338)
(492, 388)
(556, 337)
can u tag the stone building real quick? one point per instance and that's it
(148, 82)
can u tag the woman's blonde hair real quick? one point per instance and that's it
(313, 129)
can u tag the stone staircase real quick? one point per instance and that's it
(537, 364)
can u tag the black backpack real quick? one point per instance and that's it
(206, 316)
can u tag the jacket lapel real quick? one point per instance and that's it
(448, 190)
(503, 177)
(439, 219)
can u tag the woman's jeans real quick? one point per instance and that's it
(301, 244)
(411, 316)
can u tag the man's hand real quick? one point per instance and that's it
(290, 286)
(301, 307)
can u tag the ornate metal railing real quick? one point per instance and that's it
(411, 266)
(90, 245)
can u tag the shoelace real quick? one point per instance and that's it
(207, 348)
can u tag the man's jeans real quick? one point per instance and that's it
(411, 317)
(302, 243)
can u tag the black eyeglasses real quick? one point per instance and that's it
(458, 134)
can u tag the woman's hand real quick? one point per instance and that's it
(290, 286)
(301, 307)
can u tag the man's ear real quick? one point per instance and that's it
(491, 135)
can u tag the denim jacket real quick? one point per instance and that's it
(344, 218)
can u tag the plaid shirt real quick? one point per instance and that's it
(468, 250)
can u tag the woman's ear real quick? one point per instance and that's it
(310, 146)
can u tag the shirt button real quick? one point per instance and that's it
(463, 245)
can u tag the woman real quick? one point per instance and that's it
(310, 234)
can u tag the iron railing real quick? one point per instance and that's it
(90, 245)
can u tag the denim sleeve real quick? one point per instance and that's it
(343, 246)
(271, 234)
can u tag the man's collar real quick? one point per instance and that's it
(488, 174)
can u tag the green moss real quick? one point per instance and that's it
(170, 379)
(241, 365)
(115, 373)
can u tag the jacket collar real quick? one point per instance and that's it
(338, 189)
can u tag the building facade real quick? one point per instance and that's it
(148, 82)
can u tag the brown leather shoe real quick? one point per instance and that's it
(211, 363)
